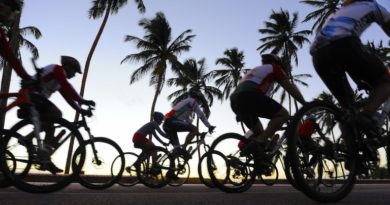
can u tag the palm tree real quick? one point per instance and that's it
(157, 49)
(98, 9)
(192, 75)
(281, 36)
(17, 40)
(282, 39)
(380, 51)
(231, 75)
(325, 9)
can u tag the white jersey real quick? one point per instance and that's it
(350, 20)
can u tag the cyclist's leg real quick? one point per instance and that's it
(170, 129)
(332, 73)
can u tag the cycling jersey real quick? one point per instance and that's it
(8, 55)
(149, 128)
(350, 20)
(261, 79)
(184, 108)
(53, 79)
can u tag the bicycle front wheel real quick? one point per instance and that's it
(152, 167)
(236, 172)
(203, 170)
(36, 171)
(322, 163)
(100, 154)
(129, 176)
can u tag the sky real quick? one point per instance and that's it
(122, 108)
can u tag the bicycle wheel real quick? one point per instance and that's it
(32, 173)
(4, 182)
(11, 162)
(129, 176)
(289, 174)
(181, 170)
(236, 174)
(272, 178)
(203, 171)
(311, 158)
(153, 172)
(100, 153)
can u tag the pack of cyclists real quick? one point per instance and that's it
(336, 51)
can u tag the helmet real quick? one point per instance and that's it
(71, 63)
(195, 93)
(158, 116)
(271, 58)
(15, 5)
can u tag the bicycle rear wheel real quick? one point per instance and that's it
(32, 173)
(272, 178)
(129, 176)
(236, 172)
(153, 172)
(4, 182)
(100, 153)
(323, 166)
(181, 170)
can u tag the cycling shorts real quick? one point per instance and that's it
(139, 138)
(250, 105)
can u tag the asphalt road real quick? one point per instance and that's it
(188, 195)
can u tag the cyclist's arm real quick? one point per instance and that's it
(67, 90)
(9, 56)
(386, 28)
(292, 90)
(201, 115)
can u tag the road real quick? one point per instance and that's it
(188, 195)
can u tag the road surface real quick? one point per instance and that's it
(188, 195)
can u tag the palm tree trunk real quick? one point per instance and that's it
(156, 94)
(7, 72)
(84, 80)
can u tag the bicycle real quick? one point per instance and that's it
(181, 171)
(100, 153)
(239, 174)
(341, 151)
(26, 159)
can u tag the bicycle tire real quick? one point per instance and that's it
(203, 170)
(273, 178)
(154, 175)
(39, 179)
(315, 188)
(289, 174)
(4, 182)
(129, 176)
(182, 170)
(98, 174)
(239, 174)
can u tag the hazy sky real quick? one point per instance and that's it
(121, 109)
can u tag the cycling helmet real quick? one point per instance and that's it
(158, 116)
(271, 58)
(15, 5)
(71, 63)
(195, 93)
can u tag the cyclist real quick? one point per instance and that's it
(178, 119)
(8, 11)
(337, 50)
(139, 139)
(251, 100)
(54, 78)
